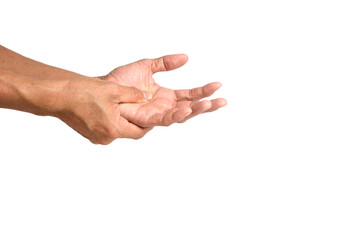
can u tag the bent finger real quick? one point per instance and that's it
(169, 117)
(130, 130)
(198, 108)
(205, 107)
(197, 93)
(130, 95)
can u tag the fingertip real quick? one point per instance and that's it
(213, 86)
(210, 88)
(216, 85)
(222, 102)
(175, 61)
(185, 57)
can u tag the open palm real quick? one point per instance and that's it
(165, 106)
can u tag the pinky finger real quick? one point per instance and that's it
(205, 106)
(176, 115)
(169, 117)
(198, 108)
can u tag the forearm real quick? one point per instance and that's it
(16, 63)
(40, 97)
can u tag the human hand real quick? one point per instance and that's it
(166, 106)
(91, 106)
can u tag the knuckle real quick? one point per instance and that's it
(93, 141)
(167, 123)
(115, 89)
(136, 92)
(154, 64)
(139, 136)
(101, 141)
(191, 94)
(133, 90)
(112, 88)
(111, 132)
(105, 142)
(165, 64)
(105, 130)
(146, 61)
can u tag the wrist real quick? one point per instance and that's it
(70, 94)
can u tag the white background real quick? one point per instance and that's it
(281, 161)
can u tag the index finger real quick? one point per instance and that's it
(129, 94)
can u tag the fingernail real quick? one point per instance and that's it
(147, 95)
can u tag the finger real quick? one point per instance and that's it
(198, 108)
(169, 62)
(130, 95)
(204, 107)
(216, 104)
(197, 93)
(169, 117)
(177, 116)
(130, 130)
(184, 104)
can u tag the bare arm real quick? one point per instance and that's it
(88, 105)
(125, 103)
(23, 93)
(16, 63)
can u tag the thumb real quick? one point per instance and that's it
(169, 62)
(132, 95)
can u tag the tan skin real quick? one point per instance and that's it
(126, 103)
(167, 106)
